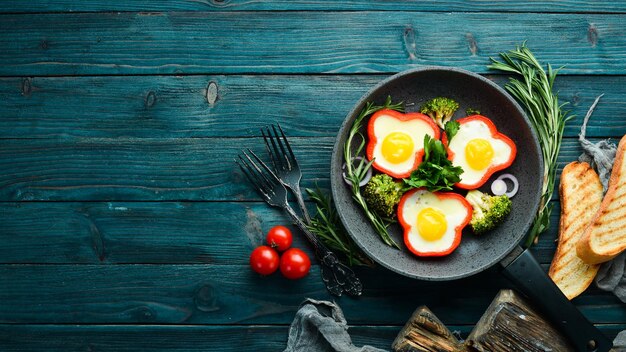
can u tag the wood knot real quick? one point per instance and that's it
(253, 227)
(145, 314)
(205, 299)
(592, 35)
(409, 42)
(150, 99)
(21, 196)
(211, 93)
(43, 44)
(97, 238)
(26, 86)
(471, 42)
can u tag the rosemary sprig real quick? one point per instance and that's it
(534, 89)
(327, 226)
(356, 173)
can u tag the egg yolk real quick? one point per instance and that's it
(478, 153)
(431, 224)
(397, 147)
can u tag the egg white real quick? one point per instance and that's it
(455, 213)
(472, 130)
(417, 129)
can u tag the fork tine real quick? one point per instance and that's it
(275, 179)
(267, 146)
(277, 154)
(270, 180)
(293, 157)
(260, 175)
(282, 147)
(254, 169)
(250, 174)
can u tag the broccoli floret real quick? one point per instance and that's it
(472, 111)
(489, 211)
(382, 193)
(440, 109)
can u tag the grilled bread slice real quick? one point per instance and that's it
(581, 196)
(605, 238)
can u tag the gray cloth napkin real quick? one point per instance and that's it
(319, 326)
(619, 344)
(611, 276)
(599, 155)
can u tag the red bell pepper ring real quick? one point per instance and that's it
(457, 230)
(492, 168)
(372, 140)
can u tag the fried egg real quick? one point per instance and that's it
(396, 141)
(433, 221)
(480, 150)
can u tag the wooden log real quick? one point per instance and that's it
(424, 332)
(510, 324)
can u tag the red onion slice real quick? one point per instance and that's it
(499, 186)
(365, 179)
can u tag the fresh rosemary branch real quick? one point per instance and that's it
(327, 226)
(356, 173)
(534, 89)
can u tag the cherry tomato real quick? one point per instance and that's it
(279, 237)
(294, 264)
(264, 260)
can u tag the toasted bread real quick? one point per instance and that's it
(605, 238)
(581, 195)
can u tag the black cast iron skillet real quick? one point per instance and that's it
(476, 253)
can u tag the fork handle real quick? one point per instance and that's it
(338, 277)
(298, 193)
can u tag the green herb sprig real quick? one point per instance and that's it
(356, 173)
(436, 172)
(534, 88)
(451, 128)
(327, 226)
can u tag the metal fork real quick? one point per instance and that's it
(337, 277)
(285, 164)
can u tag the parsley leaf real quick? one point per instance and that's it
(436, 172)
(451, 128)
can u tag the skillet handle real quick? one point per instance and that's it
(531, 280)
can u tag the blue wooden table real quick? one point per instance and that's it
(125, 227)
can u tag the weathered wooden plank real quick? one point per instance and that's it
(300, 42)
(187, 338)
(151, 169)
(177, 106)
(116, 338)
(151, 232)
(143, 169)
(601, 6)
(154, 232)
(213, 294)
